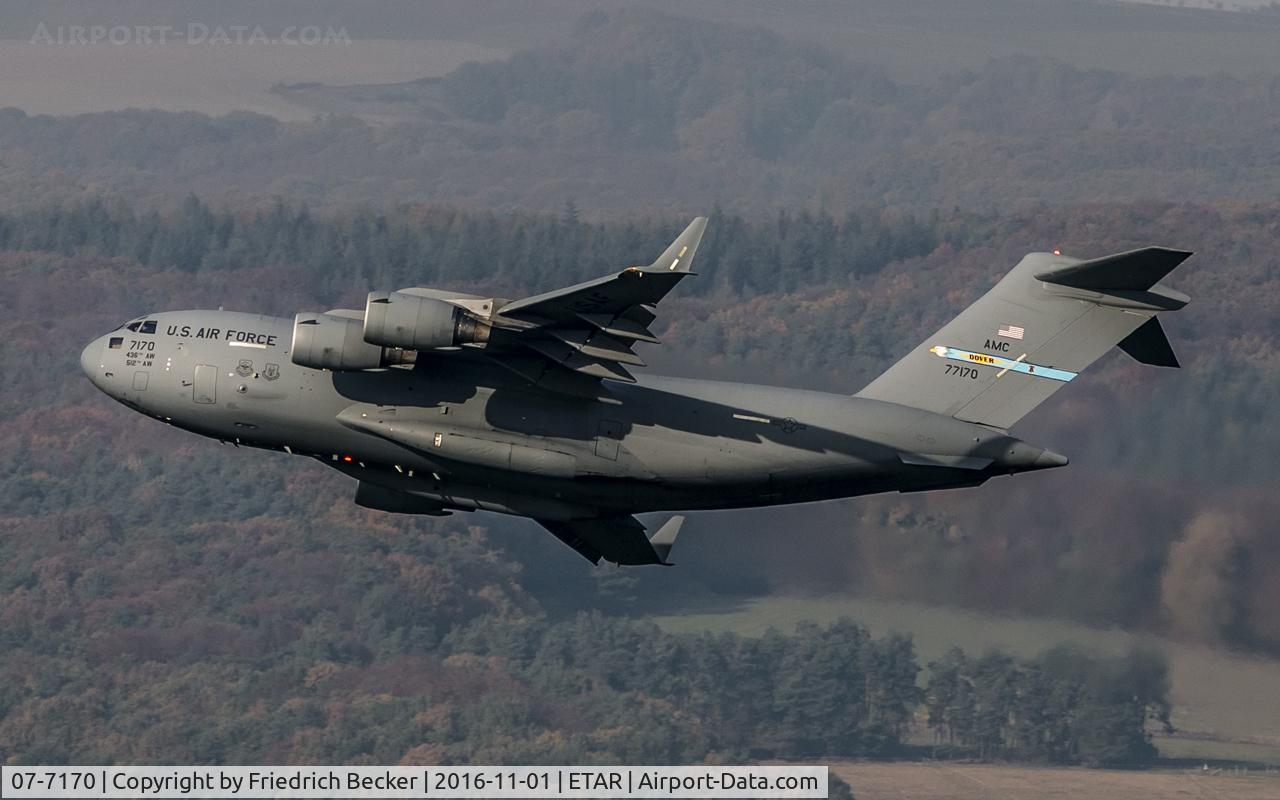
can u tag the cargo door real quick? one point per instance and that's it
(205, 386)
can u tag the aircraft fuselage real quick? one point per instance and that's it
(456, 432)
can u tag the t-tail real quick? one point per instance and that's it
(1035, 331)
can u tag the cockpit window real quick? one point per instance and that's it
(116, 343)
(148, 327)
(132, 326)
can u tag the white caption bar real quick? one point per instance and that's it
(397, 782)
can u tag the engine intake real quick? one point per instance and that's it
(326, 341)
(396, 319)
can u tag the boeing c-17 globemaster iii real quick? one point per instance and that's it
(437, 401)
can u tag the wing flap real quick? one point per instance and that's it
(548, 375)
(589, 329)
(597, 344)
(622, 327)
(565, 356)
(610, 294)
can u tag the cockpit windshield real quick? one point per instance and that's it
(142, 326)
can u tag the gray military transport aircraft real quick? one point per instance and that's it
(437, 400)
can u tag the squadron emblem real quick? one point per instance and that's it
(790, 425)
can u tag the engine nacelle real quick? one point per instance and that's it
(396, 319)
(326, 341)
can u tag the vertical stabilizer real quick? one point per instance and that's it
(1036, 330)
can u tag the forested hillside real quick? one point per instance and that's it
(166, 599)
(1177, 465)
(639, 109)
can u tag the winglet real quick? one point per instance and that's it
(665, 537)
(679, 255)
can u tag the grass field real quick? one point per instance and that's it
(1226, 707)
(932, 781)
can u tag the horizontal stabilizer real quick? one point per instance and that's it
(1148, 344)
(618, 539)
(1136, 270)
(665, 538)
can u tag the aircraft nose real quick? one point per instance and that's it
(90, 359)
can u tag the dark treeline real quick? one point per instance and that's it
(302, 684)
(820, 691)
(1063, 706)
(444, 245)
(838, 691)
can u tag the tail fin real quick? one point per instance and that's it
(1040, 326)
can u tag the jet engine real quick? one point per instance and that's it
(327, 341)
(396, 319)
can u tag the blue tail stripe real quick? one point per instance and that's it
(1001, 363)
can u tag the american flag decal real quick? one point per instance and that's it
(1011, 331)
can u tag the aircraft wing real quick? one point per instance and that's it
(619, 539)
(590, 328)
